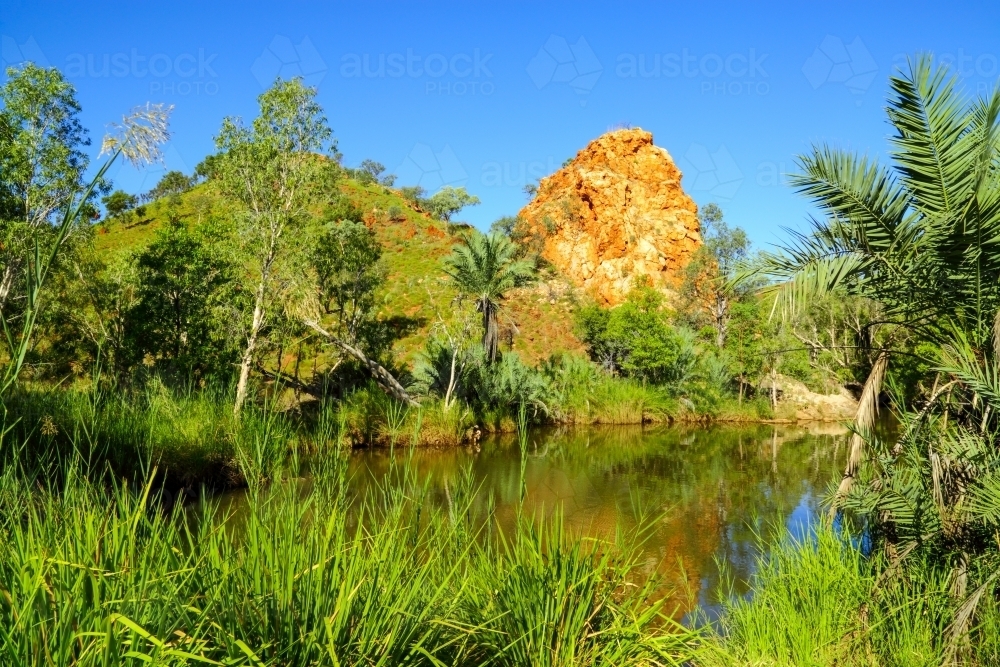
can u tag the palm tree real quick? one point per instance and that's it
(486, 267)
(921, 237)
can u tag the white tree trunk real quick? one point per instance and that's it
(451, 380)
(247, 362)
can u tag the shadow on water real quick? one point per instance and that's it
(712, 493)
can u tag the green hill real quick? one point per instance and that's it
(416, 288)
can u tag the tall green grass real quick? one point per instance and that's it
(546, 600)
(98, 574)
(819, 601)
(190, 434)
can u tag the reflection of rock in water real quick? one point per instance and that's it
(702, 493)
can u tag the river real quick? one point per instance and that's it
(710, 496)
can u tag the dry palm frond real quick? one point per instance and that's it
(864, 423)
(958, 630)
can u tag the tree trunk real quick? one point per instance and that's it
(721, 320)
(247, 362)
(381, 375)
(491, 331)
(451, 380)
(774, 388)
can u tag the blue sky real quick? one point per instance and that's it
(491, 96)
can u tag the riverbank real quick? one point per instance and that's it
(194, 439)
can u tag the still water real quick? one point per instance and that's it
(711, 497)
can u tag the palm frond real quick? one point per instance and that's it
(809, 267)
(980, 377)
(931, 119)
(855, 190)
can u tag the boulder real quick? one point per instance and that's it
(796, 401)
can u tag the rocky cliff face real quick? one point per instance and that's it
(617, 210)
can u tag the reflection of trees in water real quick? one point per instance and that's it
(712, 490)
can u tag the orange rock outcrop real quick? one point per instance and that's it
(616, 211)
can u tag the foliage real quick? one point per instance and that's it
(635, 339)
(414, 194)
(580, 392)
(138, 140)
(707, 288)
(502, 386)
(919, 238)
(171, 183)
(118, 203)
(42, 166)
(272, 171)
(818, 601)
(545, 599)
(185, 301)
(505, 225)
(922, 240)
(86, 325)
(42, 161)
(442, 367)
(371, 172)
(346, 258)
(206, 169)
(93, 574)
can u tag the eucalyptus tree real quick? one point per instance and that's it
(342, 308)
(138, 139)
(448, 201)
(486, 267)
(273, 170)
(42, 165)
(707, 284)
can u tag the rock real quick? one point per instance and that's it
(616, 211)
(796, 401)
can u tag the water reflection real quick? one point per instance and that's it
(716, 488)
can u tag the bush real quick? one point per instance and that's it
(635, 339)
(504, 385)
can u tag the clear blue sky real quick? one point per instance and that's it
(493, 95)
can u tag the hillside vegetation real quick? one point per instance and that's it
(416, 291)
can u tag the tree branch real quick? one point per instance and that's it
(381, 375)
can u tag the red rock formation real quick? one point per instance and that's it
(616, 211)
